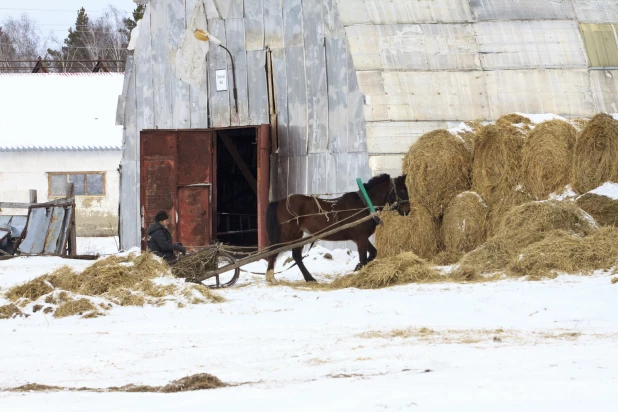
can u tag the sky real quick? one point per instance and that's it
(58, 16)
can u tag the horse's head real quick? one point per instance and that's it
(383, 189)
(399, 195)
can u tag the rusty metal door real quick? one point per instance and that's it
(157, 177)
(195, 160)
(176, 176)
(263, 181)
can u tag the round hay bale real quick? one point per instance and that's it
(603, 209)
(596, 154)
(547, 156)
(530, 222)
(561, 251)
(412, 233)
(524, 225)
(463, 225)
(497, 160)
(514, 118)
(438, 168)
(502, 207)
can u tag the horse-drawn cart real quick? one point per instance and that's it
(217, 261)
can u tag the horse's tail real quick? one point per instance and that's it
(272, 223)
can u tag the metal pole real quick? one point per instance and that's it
(233, 77)
(367, 200)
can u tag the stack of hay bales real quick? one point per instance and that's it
(415, 233)
(547, 158)
(491, 208)
(596, 153)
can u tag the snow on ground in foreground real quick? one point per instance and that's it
(508, 345)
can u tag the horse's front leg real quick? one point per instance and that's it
(362, 245)
(297, 254)
(373, 252)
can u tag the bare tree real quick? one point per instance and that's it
(21, 39)
(104, 38)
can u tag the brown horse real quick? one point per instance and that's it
(288, 219)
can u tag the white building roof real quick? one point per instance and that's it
(59, 111)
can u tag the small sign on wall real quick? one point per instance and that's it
(221, 80)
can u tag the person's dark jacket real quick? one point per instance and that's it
(160, 242)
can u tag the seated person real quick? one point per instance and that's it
(160, 239)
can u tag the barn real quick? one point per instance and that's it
(57, 128)
(307, 95)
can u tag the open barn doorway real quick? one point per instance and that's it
(237, 189)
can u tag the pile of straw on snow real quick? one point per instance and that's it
(596, 153)
(437, 168)
(415, 232)
(547, 158)
(125, 280)
(463, 225)
(396, 270)
(497, 161)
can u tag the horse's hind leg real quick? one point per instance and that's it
(297, 254)
(270, 271)
(373, 252)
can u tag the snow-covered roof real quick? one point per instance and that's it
(59, 111)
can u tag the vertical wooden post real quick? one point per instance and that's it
(33, 196)
(72, 231)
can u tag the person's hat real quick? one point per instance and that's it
(161, 216)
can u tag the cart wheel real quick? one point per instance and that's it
(225, 279)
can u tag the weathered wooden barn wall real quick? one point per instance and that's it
(318, 102)
(428, 64)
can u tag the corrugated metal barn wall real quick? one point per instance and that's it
(428, 64)
(319, 105)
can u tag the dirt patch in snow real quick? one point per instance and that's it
(195, 382)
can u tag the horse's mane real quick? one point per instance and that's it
(376, 180)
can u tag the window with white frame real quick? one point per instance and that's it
(85, 183)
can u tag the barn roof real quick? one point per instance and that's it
(59, 111)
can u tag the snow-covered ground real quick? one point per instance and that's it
(507, 345)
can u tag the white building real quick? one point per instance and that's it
(56, 128)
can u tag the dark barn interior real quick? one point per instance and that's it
(236, 189)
